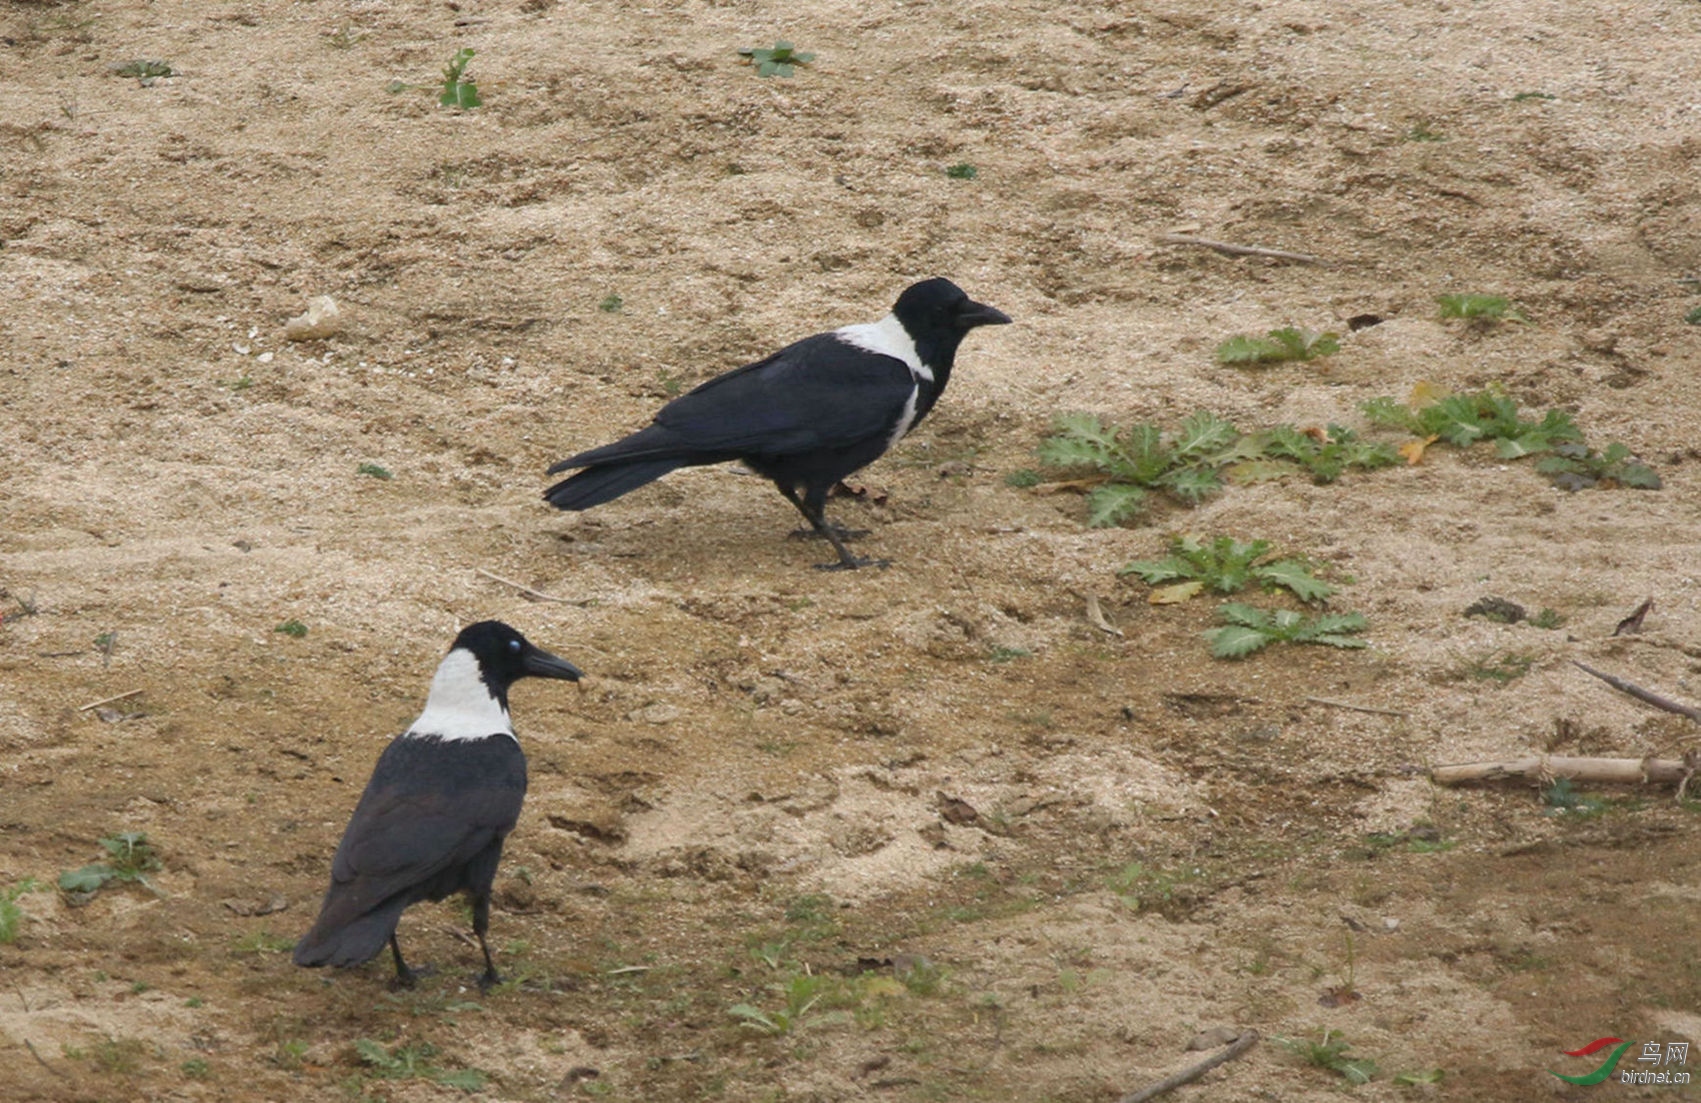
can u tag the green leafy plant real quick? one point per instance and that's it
(1564, 799)
(962, 171)
(780, 61)
(1330, 1053)
(12, 916)
(130, 857)
(611, 303)
(1422, 133)
(1280, 345)
(802, 993)
(459, 90)
(1227, 566)
(1136, 460)
(1465, 419)
(1693, 317)
(292, 628)
(1325, 455)
(401, 1062)
(374, 470)
(1573, 466)
(145, 71)
(1023, 478)
(1250, 629)
(1478, 308)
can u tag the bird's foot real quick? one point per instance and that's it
(488, 980)
(851, 563)
(409, 978)
(840, 533)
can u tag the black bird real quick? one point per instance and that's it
(806, 417)
(442, 799)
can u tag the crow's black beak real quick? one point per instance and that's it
(972, 314)
(541, 664)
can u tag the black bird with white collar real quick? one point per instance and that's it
(806, 417)
(441, 801)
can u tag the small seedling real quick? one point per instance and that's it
(1693, 317)
(1421, 1076)
(401, 1062)
(1501, 668)
(1525, 97)
(458, 89)
(1008, 654)
(106, 643)
(195, 1068)
(1280, 345)
(962, 171)
(1422, 133)
(1227, 566)
(374, 470)
(1548, 618)
(12, 916)
(145, 71)
(1564, 799)
(611, 304)
(294, 629)
(1479, 308)
(129, 858)
(237, 385)
(1573, 466)
(776, 62)
(1250, 629)
(262, 941)
(1136, 460)
(1022, 478)
(1331, 1055)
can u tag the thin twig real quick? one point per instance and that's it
(39, 1061)
(620, 970)
(1545, 769)
(1355, 708)
(1230, 249)
(1236, 1048)
(1095, 617)
(109, 700)
(522, 587)
(1638, 692)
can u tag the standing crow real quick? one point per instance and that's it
(805, 417)
(442, 798)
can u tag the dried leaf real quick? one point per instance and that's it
(1412, 451)
(1177, 593)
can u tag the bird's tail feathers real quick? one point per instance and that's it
(596, 485)
(351, 943)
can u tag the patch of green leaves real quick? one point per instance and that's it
(802, 993)
(1573, 466)
(1228, 566)
(459, 90)
(1465, 419)
(1249, 629)
(1023, 478)
(1422, 133)
(779, 61)
(1140, 459)
(1693, 317)
(292, 628)
(411, 1062)
(962, 171)
(1479, 308)
(145, 71)
(129, 858)
(374, 470)
(1525, 97)
(1325, 455)
(1331, 1053)
(1280, 345)
(12, 916)
(1564, 799)
(611, 303)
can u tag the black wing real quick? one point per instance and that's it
(432, 805)
(819, 393)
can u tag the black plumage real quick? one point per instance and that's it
(805, 417)
(441, 801)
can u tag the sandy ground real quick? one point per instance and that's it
(947, 837)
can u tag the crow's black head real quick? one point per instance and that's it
(504, 657)
(937, 307)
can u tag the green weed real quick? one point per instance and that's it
(129, 858)
(1250, 629)
(1573, 466)
(1330, 1053)
(12, 916)
(401, 1062)
(1139, 459)
(1564, 799)
(964, 171)
(1279, 346)
(779, 61)
(459, 90)
(1324, 455)
(1227, 566)
(1479, 308)
(374, 470)
(292, 628)
(263, 941)
(611, 303)
(1465, 419)
(1422, 133)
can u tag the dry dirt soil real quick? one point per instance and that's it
(919, 833)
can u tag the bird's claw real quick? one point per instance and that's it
(853, 563)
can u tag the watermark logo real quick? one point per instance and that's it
(1654, 1064)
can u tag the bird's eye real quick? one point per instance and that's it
(514, 646)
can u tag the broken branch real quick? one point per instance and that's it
(1636, 691)
(1236, 1048)
(1547, 768)
(1228, 248)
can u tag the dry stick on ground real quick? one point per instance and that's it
(1636, 691)
(109, 700)
(1236, 1048)
(1230, 249)
(522, 587)
(1547, 768)
(1355, 708)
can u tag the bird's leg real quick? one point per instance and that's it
(813, 506)
(405, 977)
(481, 924)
